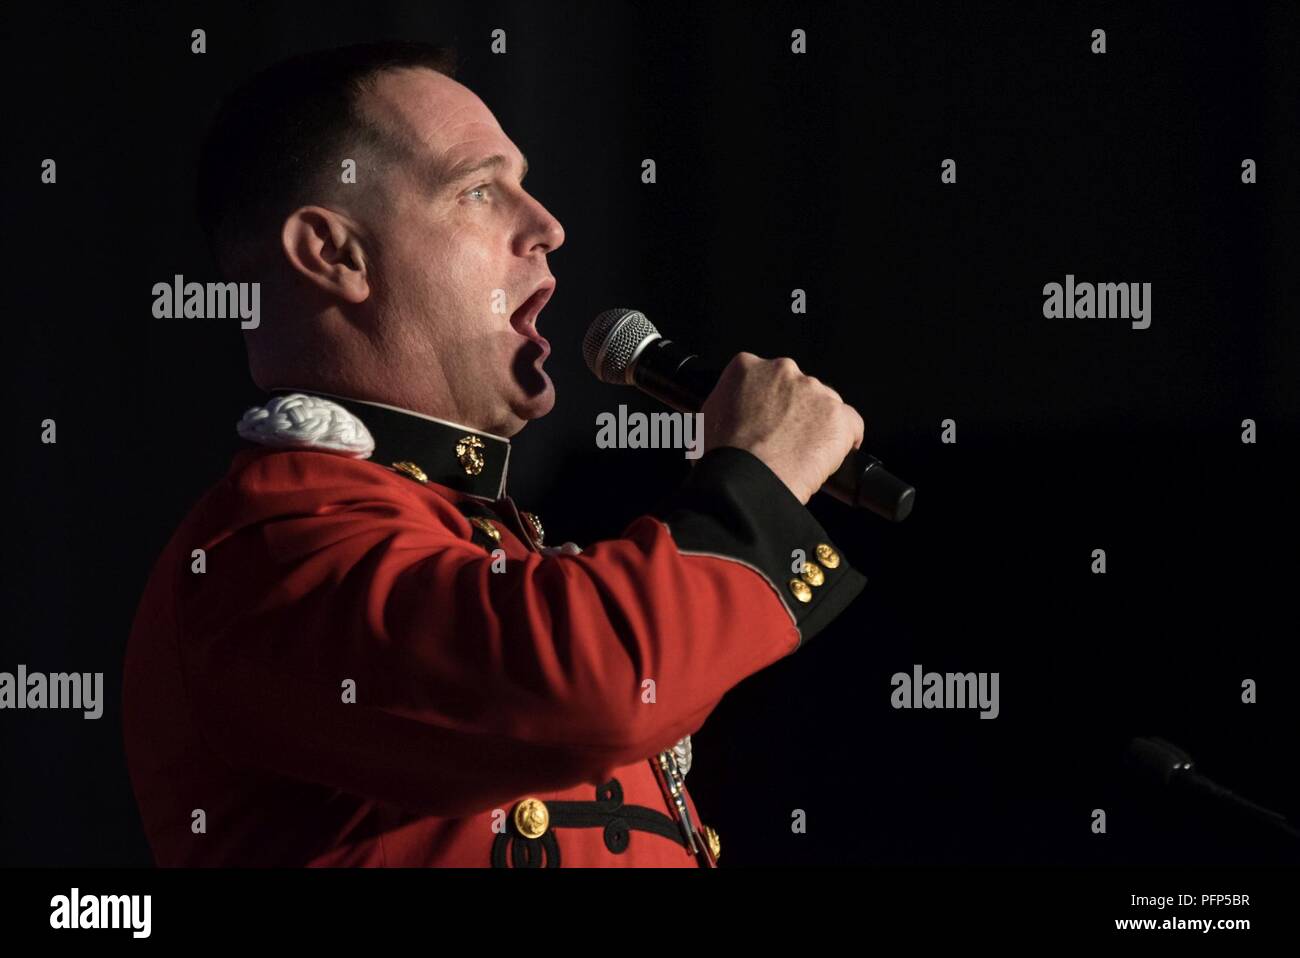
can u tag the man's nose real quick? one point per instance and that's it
(547, 232)
(557, 231)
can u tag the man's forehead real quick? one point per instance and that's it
(439, 114)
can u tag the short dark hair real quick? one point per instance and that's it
(277, 141)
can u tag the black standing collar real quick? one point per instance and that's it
(428, 449)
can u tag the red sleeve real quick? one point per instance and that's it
(472, 686)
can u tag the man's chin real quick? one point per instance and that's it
(536, 405)
(529, 405)
(536, 393)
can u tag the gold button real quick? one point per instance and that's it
(802, 591)
(715, 843)
(812, 574)
(539, 534)
(532, 818)
(827, 556)
(412, 470)
(488, 528)
(469, 453)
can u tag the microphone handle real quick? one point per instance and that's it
(668, 372)
(1190, 781)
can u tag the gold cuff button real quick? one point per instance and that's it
(812, 574)
(802, 591)
(827, 556)
(532, 818)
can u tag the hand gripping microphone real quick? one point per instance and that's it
(624, 348)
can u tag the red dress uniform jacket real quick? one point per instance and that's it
(372, 661)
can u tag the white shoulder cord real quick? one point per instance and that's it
(297, 421)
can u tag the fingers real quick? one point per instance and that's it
(857, 425)
(787, 369)
(817, 382)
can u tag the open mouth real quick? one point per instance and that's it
(524, 319)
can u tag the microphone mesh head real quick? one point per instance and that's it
(1157, 759)
(612, 340)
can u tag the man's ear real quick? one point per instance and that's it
(325, 246)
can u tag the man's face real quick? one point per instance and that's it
(457, 252)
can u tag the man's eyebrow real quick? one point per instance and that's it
(467, 167)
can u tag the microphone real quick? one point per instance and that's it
(625, 348)
(1168, 765)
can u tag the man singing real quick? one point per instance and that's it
(356, 649)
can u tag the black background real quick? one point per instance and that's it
(775, 172)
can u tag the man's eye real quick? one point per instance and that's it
(481, 188)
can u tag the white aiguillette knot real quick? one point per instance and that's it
(297, 421)
(682, 752)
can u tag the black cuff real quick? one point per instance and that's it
(734, 506)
